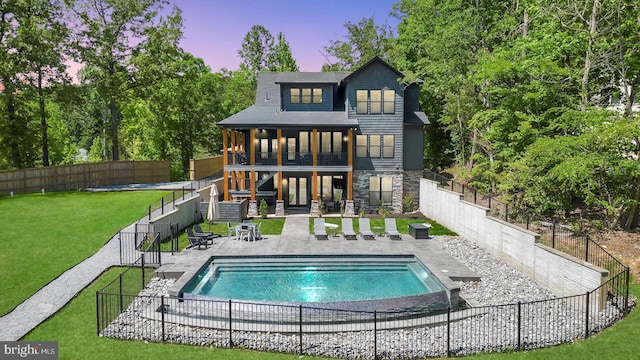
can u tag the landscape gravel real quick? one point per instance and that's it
(485, 327)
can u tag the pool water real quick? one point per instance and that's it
(320, 281)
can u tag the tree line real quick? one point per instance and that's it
(532, 101)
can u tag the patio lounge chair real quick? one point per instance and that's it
(365, 229)
(390, 229)
(319, 230)
(197, 231)
(196, 240)
(347, 229)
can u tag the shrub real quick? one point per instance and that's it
(409, 204)
(263, 209)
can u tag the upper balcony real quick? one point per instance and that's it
(289, 159)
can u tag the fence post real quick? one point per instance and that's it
(142, 258)
(626, 295)
(162, 205)
(98, 313)
(375, 335)
(149, 212)
(489, 202)
(120, 245)
(586, 317)
(173, 201)
(475, 196)
(519, 325)
(506, 212)
(162, 315)
(586, 248)
(553, 234)
(230, 327)
(300, 324)
(121, 296)
(449, 332)
(527, 217)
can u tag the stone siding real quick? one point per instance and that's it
(361, 189)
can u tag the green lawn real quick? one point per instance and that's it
(43, 236)
(74, 328)
(72, 226)
(270, 226)
(402, 224)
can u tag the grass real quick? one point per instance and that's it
(74, 327)
(96, 217)
(43, 236)
(402, 224)
(270, 226)
(617, 342)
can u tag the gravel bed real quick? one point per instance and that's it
(488, 328)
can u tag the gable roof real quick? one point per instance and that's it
(363, 67)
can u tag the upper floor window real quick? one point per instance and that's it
(306, 95)
(375, 146)
(375, 101)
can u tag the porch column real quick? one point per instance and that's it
(252, 162)
(314, 156)
(350, 163)
(280, 201)
(233, 160)
(225, 162)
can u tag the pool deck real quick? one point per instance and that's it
(296, 240)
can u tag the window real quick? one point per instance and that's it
(388, 146)
(361, 101)
(317, 96)
(305, 95)
(295, 96)
(375, 97)
(380, 190)
(361, 146)
(375, 101)
(389, 101)
(264, 148)
(375, 146)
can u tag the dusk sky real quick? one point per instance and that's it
(214, 29)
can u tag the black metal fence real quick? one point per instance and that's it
(552, 233)
(124, 313)
(147, 242)
(168, 202)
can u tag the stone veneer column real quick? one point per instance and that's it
(279, 207)
(412, 184)
(253, 208)
(349, 208)
(314, 208)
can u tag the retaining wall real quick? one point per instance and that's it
(516, 246)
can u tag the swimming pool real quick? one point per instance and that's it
(350, 282)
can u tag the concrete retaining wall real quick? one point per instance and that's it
(518, 247)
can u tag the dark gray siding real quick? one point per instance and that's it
(413, 147)
(411, 98)
(376, 77)
(327, 98)
(267, 92)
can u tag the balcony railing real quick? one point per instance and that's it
(289, 159)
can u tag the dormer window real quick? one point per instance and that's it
(306, 95)
(375, 101)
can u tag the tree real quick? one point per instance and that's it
(45, 39)
(259, 52)
(280, 59)
(364, 41)
(110, 34)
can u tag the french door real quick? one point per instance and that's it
(298, 191)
